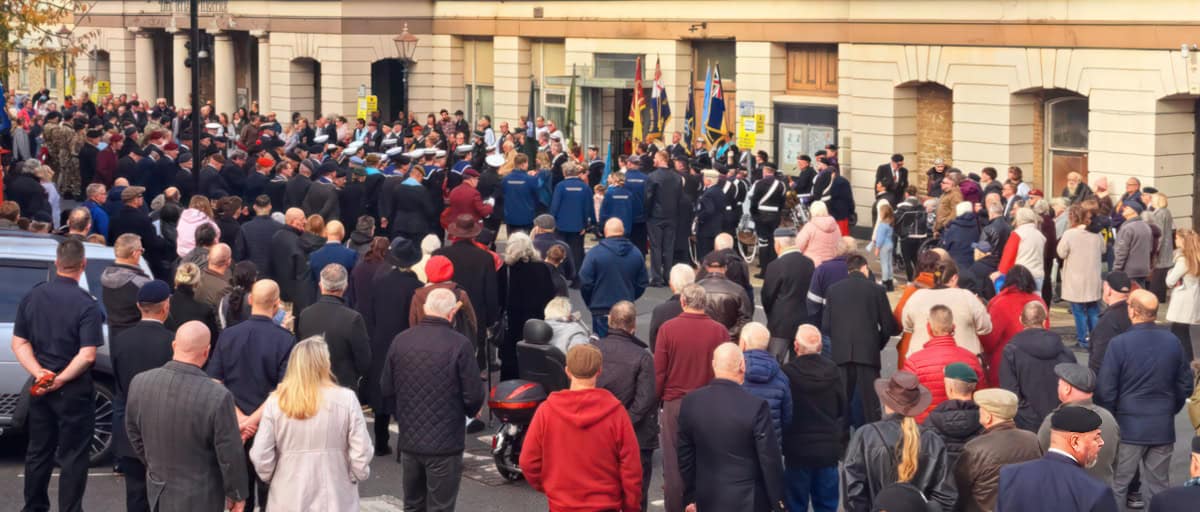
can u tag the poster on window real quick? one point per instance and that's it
(802, 139)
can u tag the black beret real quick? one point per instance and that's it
(154, 292)
(94, 133)
(1075, 419)
(1149, 190)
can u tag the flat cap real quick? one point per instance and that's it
(1078, 376)
(132, 192)
(321, 139)
(394, 152)
(999, 402)
(1075, 419)
(960, 371)
(785, 232)
(544, 221)
(1119, 281)
(154, 292)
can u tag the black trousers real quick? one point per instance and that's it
(637, 235)
(860, 392)
(647, 474)
(524, 228)
(683, 235)
(662, 249)
(136, 499)
(382, 420)
(730, 219)
(430, 482)
(61, 425)
(765, 231)
(574, 241)
(1184, 333)
(257, 488)
(704, 245)
(908, 249)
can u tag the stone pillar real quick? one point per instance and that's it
(446, 67)
(225, 93)
(761, 75)
(512, 70)
(143, 54)
(263, 95)
(182, 73)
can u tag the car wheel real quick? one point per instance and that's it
(102, 435)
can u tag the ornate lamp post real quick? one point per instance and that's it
(406, 46)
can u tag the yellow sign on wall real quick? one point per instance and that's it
(759, 121)
(366, 106)
(103, 88)
(747, 136)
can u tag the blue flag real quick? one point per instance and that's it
(689, 117)
(704, 102)
(608, 166)
(714, 120)
(5, 122)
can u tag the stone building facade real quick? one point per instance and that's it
(1049, 86)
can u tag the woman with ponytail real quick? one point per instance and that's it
(896, 449)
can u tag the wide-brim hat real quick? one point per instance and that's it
(904, 394)
(403, 252)
(464, 226)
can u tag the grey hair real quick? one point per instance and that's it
(520, 248)
(846, 246)
(694, 296)
(1025, 216)
(334, 278)
(723, 241)
(681, 275)
(1041, 207)
(992, 209)
(94, 189)
(570, 169)
(755, 335)
(440, 303)
(559, 308)
(808, 340)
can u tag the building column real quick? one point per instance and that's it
(446, 67)
(143, 54)
(225, 88)
(761, 75)
(512, 70)
(183, 74)
(263, 95)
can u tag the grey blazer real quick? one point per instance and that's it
(182, 425)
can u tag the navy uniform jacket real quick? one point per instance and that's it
(573, 207)
(1175, 498)
(618, 202)
(709, 211)
(635, 181)
(519, 192)
(1053, 482)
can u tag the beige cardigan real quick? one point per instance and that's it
(1081, 251)
(970, 317)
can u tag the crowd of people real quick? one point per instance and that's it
(258, 305)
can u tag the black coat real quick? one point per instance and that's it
(30, 196)
(894, 188)
(288, 266)
(629, 375)
(87, 164)
(185, 308)
(295, 190)
(709, 212)
(255, 185)
(729, 461)
(135, 220)
(276, 189)
(871, 464)
(144, 346)
(664, 188)
(231, 235)
(668, 310)
(859, 320)
(817, 434)
(411, 210)
(475, 272)
(322, 199)
(1053, 482)
(1027, 369)
(234, 178)
(956, 421)
(785, 293)
(256, 239)
(211, 184)
(525, 289)
(1112, 323)
(351, 203)
(345, 332)
(390, 296)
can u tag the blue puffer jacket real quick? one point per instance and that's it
(766, 380)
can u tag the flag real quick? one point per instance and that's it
(689, 116)
(660, 108)
(638, 104)
(714, 121)
(5, 122)
(609, 165)
(571, 109)
(704, 102)
(530, 127)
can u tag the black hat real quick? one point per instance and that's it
(340, 173)
(713, 259)
(820, 153)
(94, 133)
(1119, 281)
(1078, 376)
(900, 497)
(326, 168)
(154, 292)
(1149, 190)
(1075, 419)
(403, 252)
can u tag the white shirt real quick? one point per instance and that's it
(1067, 455)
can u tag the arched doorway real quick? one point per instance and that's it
(1066, 139)
(306, 86)
(389, 82)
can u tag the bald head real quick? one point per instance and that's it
(294, 217)
(220, 257)
(334, 231)
(723, 241)
(1143, 306)
(754, 336)
(614, 228)
(728, 363)
(192, 342)
(264, 296)
(1033, 315)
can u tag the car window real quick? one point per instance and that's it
(16, 279)
(92, 272)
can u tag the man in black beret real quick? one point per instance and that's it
(1057, 481)
(1076, 383)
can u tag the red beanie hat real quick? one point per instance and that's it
(439, 269)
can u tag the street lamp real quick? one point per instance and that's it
(64, 34)
(406, 46)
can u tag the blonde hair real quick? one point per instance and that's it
(1190, 250)
(909, 448)
(198, 202)
(188, 274)
(299, 392)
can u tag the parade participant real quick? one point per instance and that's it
(766, 201)
(572, 209)
(664, 188)
(710, 209)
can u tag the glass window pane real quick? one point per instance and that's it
(15, 283)
(484, 102)
(616, 65)
(723, 52)
(1069, 124)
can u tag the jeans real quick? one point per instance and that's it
(818, 484)
(1086, 314)
(600, 323)
(886, 253)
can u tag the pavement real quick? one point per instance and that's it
(482, 488)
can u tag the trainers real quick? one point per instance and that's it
(1134, 500)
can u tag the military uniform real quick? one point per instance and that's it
(766, 203)
(63, 157)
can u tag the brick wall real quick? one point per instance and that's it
(935, 131)
(1039, 140)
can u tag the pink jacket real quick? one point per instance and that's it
(186, 230)
(819, 239)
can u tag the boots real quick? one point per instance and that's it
(889, 286)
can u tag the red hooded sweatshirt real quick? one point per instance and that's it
(581, 452)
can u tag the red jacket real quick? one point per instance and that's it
(464, 199)
(1005, 310)
(929, 363)
(581, 452)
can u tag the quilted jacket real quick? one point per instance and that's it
(929, 363)
(767, 381)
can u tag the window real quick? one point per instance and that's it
(1066, 125)
(813, 68)
(480, 102)
(51, 78)
(478, 72)
(714, 52)
(617, 65)
(16, 279)
(556, 107)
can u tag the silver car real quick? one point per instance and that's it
(25, 261)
